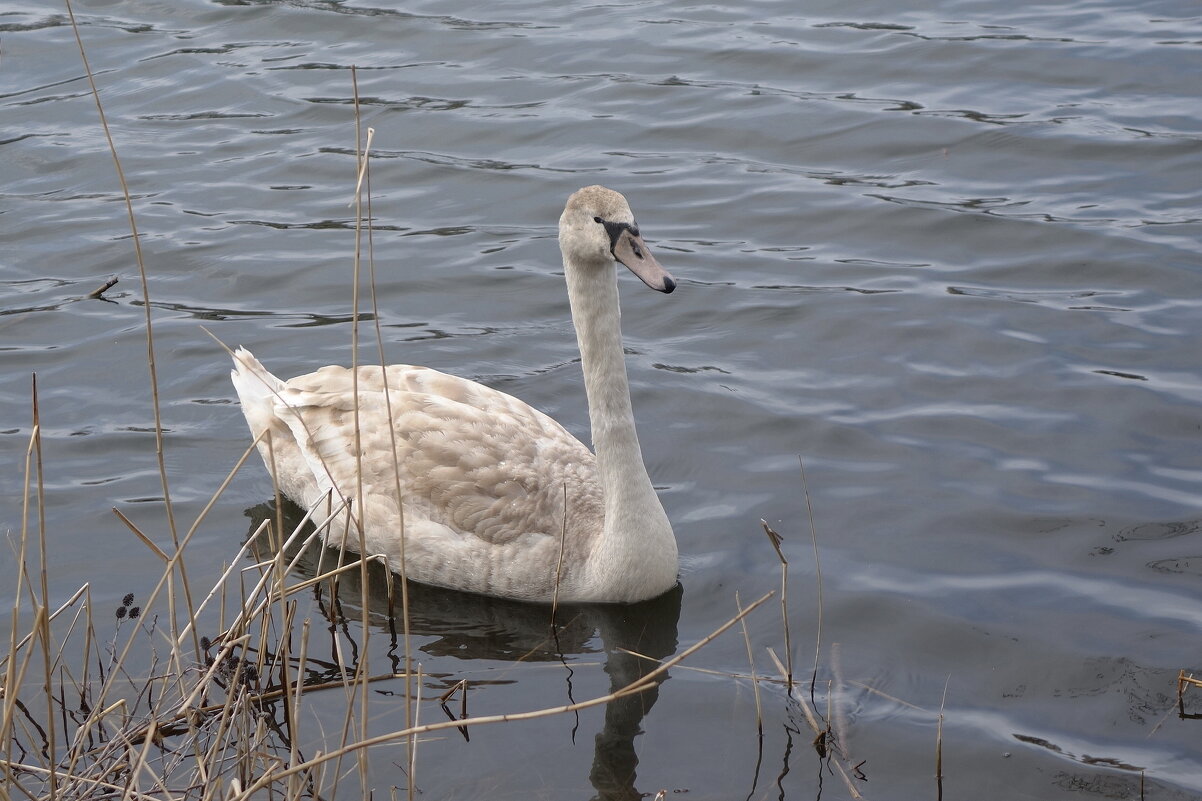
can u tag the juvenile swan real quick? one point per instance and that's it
(482, 475)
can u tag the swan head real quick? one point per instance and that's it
(598, 228)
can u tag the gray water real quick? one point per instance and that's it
(949, 259)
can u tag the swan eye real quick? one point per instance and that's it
(596, 219)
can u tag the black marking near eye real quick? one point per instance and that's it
(615, 229)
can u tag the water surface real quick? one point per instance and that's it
(948, 259)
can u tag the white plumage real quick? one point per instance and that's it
(482, 475)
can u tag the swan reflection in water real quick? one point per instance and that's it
(475, 627)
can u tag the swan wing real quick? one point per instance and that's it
(472, 460)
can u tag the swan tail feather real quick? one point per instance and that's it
(257, 389)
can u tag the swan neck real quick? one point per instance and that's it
(635, 554)
(596, 314)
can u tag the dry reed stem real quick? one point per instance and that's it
(297, 694)
(100, 290)
(15, 645)
(149, 543)
(820, 730)
(44, 629)
(412, 738)
(173, 563)
(755, 682)
(817, 572)
(363, 176)
(728, 674)
(249, 613)
(135, 743)
(13, 679)
(776, 540)
(563, 535)
(93, 783)
(12, 685)
(361, 168)
(1185, 682)
(396, 468)
(150, 357)
(460, 687)
(885, 695)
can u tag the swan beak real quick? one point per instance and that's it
(631, 250)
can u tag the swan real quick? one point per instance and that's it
(483, 476)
